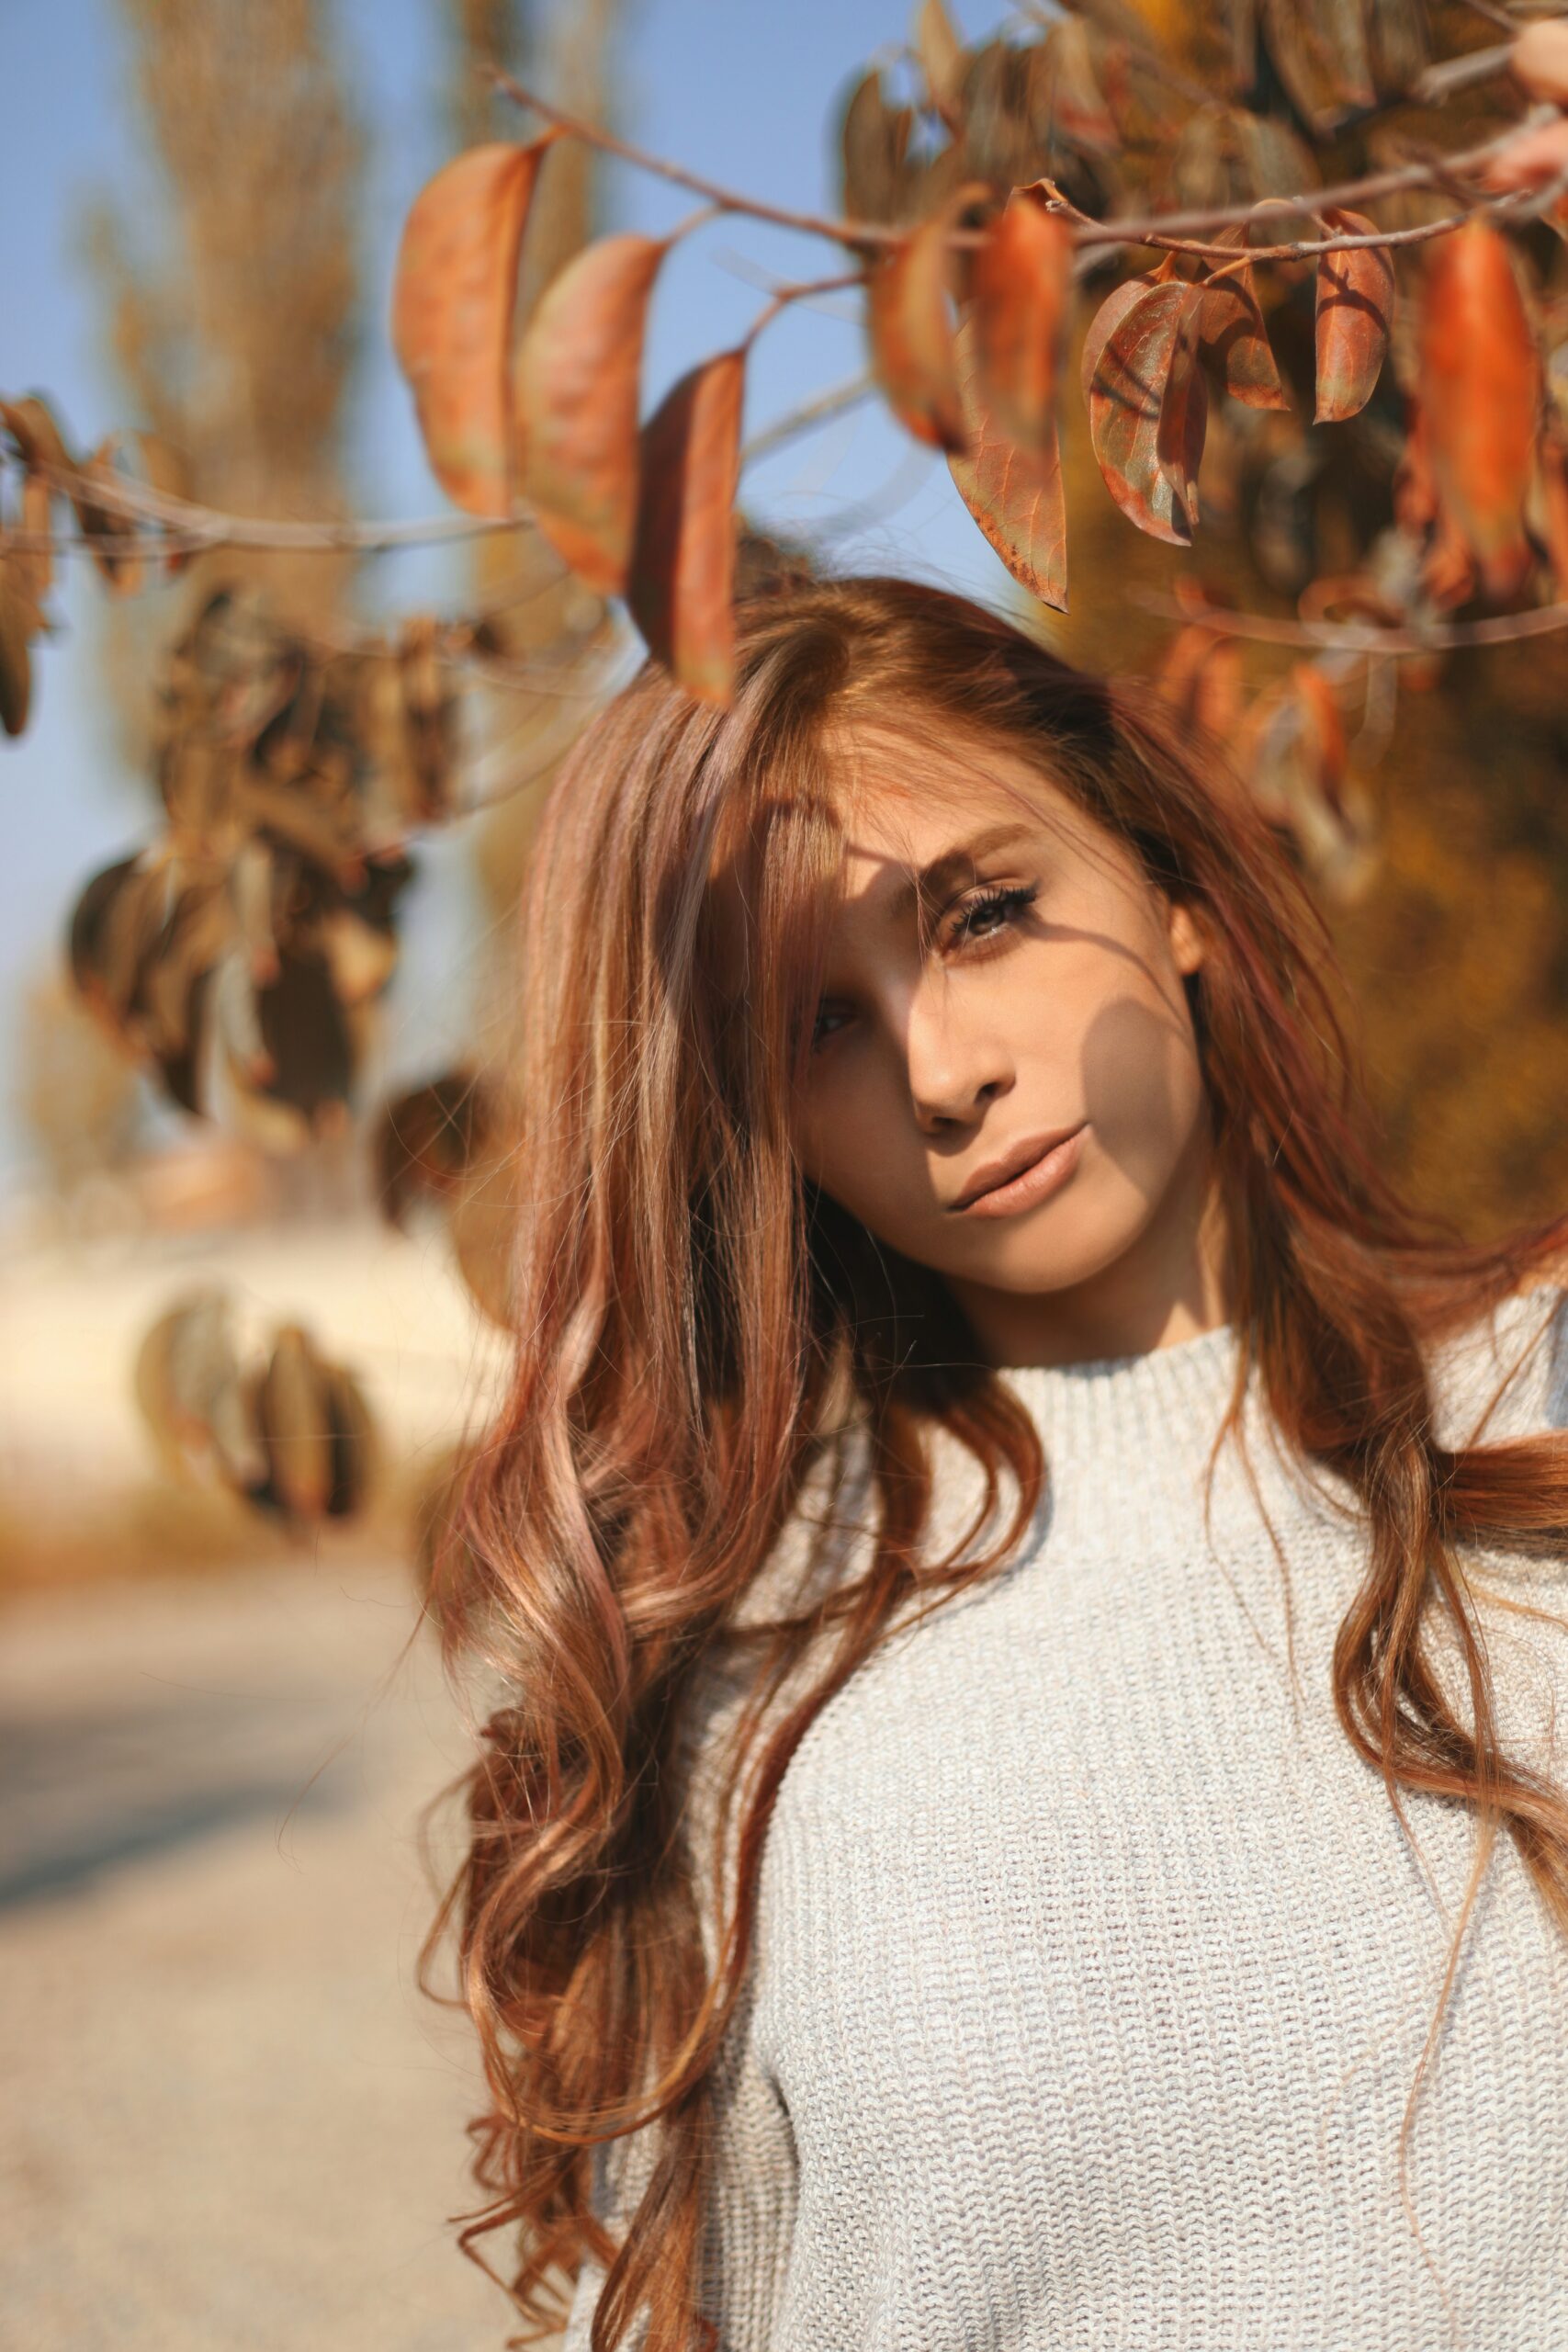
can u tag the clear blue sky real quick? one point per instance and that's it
(733, 88)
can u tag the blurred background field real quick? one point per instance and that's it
(233, 2119)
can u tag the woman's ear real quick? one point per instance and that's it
(1186, 937)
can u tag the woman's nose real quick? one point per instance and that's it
(955, 1069)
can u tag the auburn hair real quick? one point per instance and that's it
(695, 1329)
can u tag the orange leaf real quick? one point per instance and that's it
(911, 330)
(578, 374)
(1148, 404)
(1355, 315)
(1201, 678)
(1233, 338)
(453, 298)
(1020, 289)
(682, 586)
(1013, 490)
(1553, 489)
(17, 616)
(1480, 376)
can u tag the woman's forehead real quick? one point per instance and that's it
(909, 791)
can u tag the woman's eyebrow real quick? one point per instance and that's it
(950, 867)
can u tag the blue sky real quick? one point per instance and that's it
(739, 91)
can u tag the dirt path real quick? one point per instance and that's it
(230, 2120)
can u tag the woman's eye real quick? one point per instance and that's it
(822, 1028)
(992, 911)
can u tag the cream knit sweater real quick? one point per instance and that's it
(1093, 1966)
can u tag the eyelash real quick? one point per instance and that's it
(1010, 899)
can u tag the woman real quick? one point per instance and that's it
(1020, 1580)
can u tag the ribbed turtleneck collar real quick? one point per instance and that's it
(1127, 1438)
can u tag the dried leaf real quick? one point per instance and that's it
(1201, 679)
(424, 1143)
(873, 145)
(1355, 298)
(1079, 115)
(1319, 49)
(1147, 404)
(1013, 490)
(16, 610)
(578, 375)
(682, 586)
(1481, 379)
(1007, 112)
(295, 1418)
(429, 719)
(103, 524)
(1293, 746)
(453, 300)
(940, 52)
(1233, 338)
(1020, 302)
(1399, 44)
(1553, 503)
(910, 327)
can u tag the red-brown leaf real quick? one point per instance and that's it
(1013, 490)
(1020, 292)
(1234, 340)
(1201, 678)
(682, 586)
(102, 525)
(16, 628)
(1481, 384)
(578, 375)
(1355, 317)
(1147, 404)
(911, 332)
(453, 300)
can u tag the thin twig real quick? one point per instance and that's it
(206, 529)
(1439, 637)
(1155, 228)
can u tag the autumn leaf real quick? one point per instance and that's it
(1012, 488)
(1149, 403)
(1319, 50)
(578, 375)
(1355, 317)
(1201, 678)
(1481, 384)
(911, 329)
(682, 585)
(874, 142)
(453, 298)
(1019, 297)
(1552, 498)
(17, 614)
(1233, 338)
(940, 52)
(1077, 110)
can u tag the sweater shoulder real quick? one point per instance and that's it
(1505, 1375)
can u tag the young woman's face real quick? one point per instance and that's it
(1043, 999)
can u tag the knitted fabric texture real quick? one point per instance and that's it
(1093, 1966)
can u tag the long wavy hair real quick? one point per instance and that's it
(696, 1328)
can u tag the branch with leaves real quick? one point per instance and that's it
(981, 213)
(970, 257)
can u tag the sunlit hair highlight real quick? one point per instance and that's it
(696, 1329)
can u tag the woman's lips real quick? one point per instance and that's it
(1033, 1184)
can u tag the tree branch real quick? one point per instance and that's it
(1440, 637)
